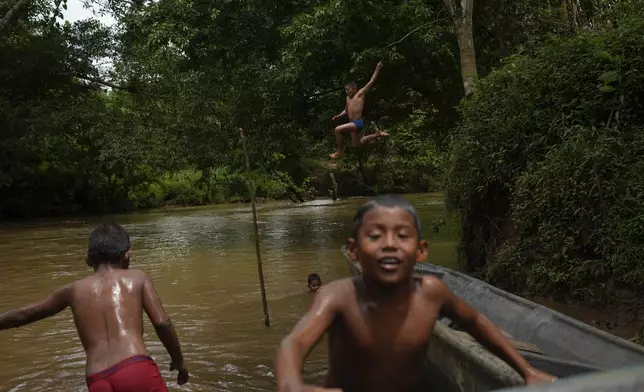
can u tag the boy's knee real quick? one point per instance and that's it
(338, 129)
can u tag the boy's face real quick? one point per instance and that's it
(351, 91)
(388, 245)
(315, 285)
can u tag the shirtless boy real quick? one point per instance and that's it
(380, 323)
(353, 109)
(107, 308)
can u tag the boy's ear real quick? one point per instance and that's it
(422, 251)
(351, 249)
(125, 258)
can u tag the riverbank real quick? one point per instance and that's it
(221, 186)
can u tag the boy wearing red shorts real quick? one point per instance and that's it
(107, 308)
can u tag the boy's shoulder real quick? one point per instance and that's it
(338, 290)
(136, 275)
(432, 286)
(339, 286)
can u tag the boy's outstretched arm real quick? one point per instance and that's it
(308, 331)
(52, 305)
(337, 116)
(164, 328)
(368, 86)
(486, 333)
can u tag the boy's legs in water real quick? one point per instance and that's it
(355, 137)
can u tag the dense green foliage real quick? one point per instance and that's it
(158, 123)
(547, 166)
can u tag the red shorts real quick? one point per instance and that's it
(135, 374)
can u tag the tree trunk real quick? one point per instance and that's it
(462, 12)
(4, 22)
(576, 13)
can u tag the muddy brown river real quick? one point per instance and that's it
(202, 261)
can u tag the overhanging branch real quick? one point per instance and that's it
(4, 22)
(103, 82)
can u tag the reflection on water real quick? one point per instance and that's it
(202, 261)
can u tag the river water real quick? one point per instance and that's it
(202, 261)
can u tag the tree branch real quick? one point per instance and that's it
(322, 94)
(101, 82)
(4, 22)
(105, 83)
(449, 4)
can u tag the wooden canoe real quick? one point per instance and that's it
(627, 379)
(549, 340)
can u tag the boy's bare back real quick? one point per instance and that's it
(108, 312)
(107, 308)
(374, 347)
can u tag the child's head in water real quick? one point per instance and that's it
(315, 282)
(109, 244)
(386, 240)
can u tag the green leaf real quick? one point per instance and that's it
(609, 76)
(607, 89)
(604, 55)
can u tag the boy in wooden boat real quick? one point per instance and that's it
(380, 323)
(315, 282)
(353, 109)
(107, 308)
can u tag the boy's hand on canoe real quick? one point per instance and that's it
(534, 376)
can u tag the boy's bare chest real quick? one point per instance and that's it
(355, 102)
(396, 331)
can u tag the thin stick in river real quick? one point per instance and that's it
(251, 190)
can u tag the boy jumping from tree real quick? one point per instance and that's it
(107, 307)
(353, 109)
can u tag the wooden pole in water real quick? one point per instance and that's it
(334, 190)
(251, 190)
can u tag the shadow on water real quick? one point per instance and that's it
(203, 264)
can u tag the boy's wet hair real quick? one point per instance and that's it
(351, 84)
(107, 243)
(314, 277)
(388, 201)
